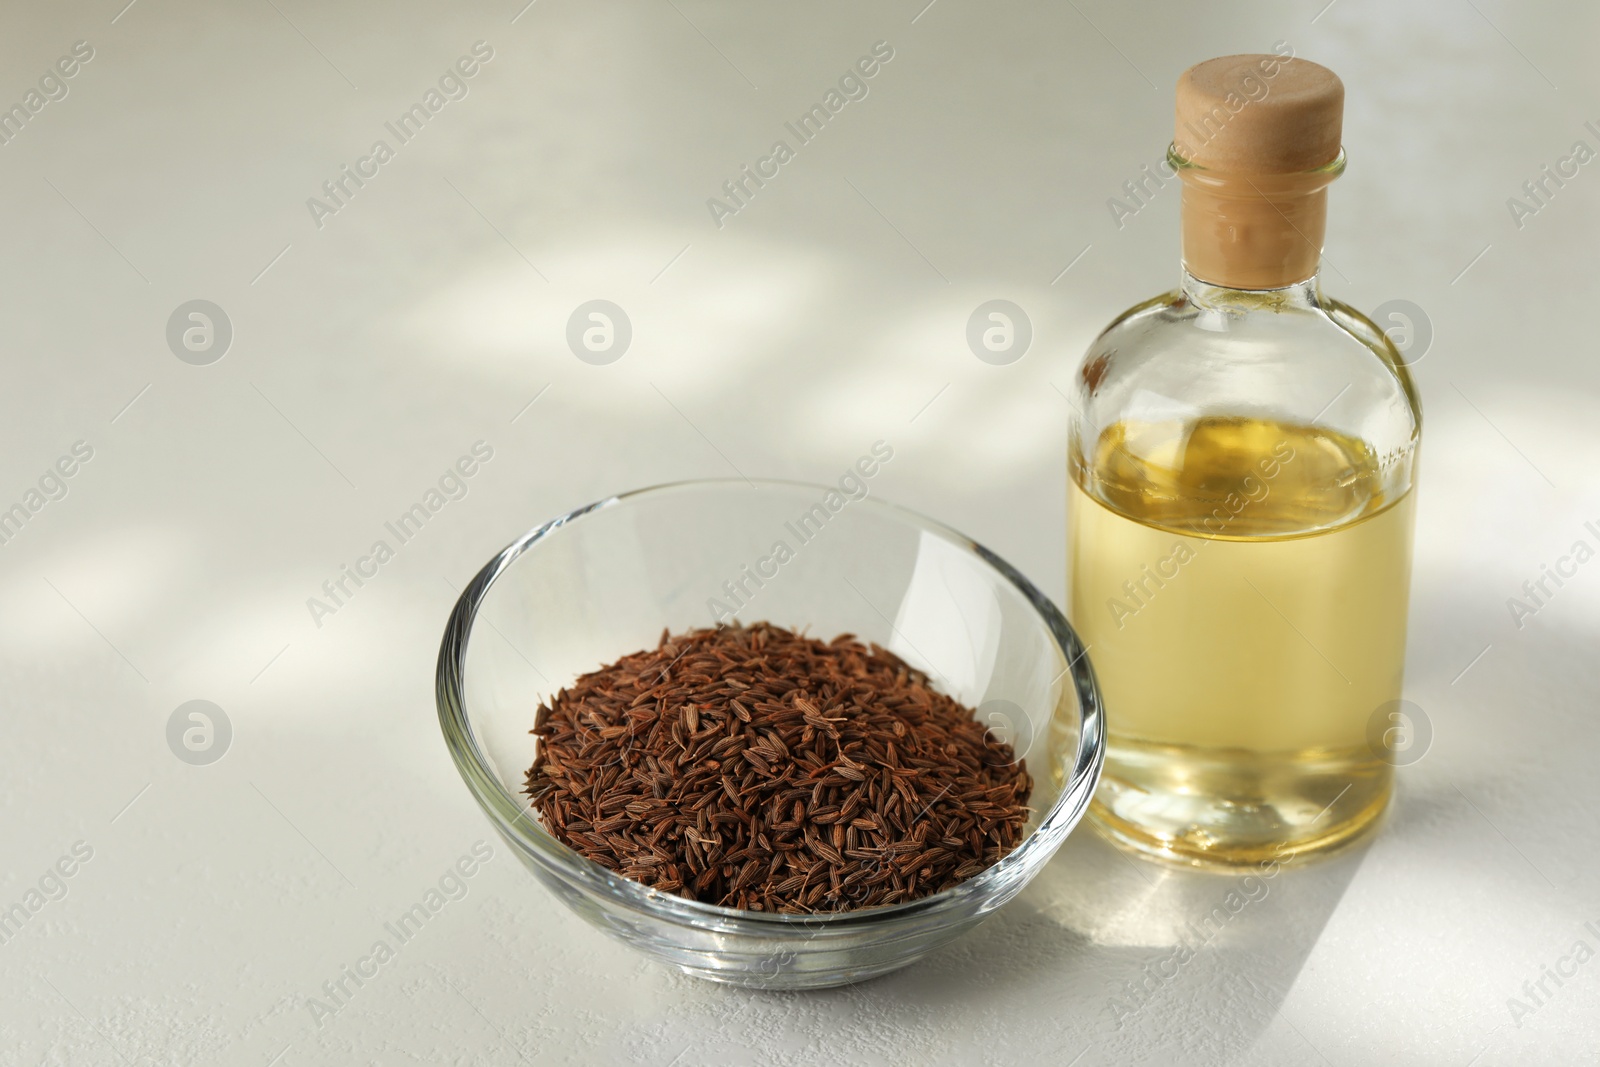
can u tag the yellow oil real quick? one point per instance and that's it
(1242, 587)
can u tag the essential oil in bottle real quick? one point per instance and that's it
(1239, 524)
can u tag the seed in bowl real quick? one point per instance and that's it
(756, 768)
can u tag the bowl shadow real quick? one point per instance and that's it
(1144, 962)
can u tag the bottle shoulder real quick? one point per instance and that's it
(1372, 337)
(1201, 397)
(1295, 357)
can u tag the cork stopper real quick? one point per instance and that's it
(1259, 114)
(1260, 139)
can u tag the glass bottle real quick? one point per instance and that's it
(1242, 456)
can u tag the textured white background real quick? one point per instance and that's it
(829, 313)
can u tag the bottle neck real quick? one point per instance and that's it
(1255, 231)
(1306, 293)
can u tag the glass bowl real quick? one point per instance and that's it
(591, 586)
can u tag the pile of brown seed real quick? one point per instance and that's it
(755, 768)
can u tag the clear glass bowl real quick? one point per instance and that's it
(591, 586)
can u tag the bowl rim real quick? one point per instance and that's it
(507, 812)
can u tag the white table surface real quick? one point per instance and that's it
(829, 312)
